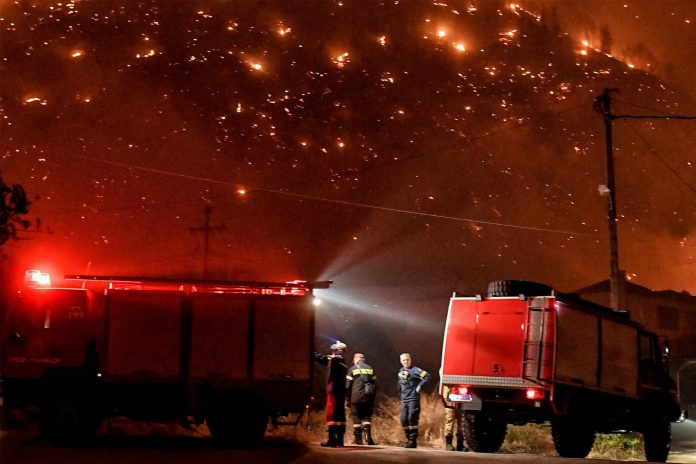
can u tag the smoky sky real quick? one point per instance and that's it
(404, 149)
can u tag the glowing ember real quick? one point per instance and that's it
(342, 59)
(35, 100)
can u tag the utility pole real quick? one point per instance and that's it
(206, 229)
(603, 104)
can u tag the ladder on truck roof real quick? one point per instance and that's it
(295, 287)
(535, 335)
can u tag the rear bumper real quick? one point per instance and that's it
(489, 381)
(505, 398)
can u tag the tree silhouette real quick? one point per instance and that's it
(14, 205)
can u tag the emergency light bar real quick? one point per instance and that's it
(36, 278)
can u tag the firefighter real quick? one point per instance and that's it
(453, 417)
(361, 388)
(411, 381)
(335, 393)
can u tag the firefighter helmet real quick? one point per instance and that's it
(339, 346)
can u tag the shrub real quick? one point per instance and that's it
(530, 438)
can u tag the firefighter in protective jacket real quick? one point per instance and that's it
(335, 393)
(361, 389)
(411, 381)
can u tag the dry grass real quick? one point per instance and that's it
(530, 438)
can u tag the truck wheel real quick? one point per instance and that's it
(239, 419)
(571, 439)
(518, 287)
(69, 413)
(68, 421)
(657, 440)
(484, 434)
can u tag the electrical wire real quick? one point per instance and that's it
(642, 107)
(652, 150)
(330, 200)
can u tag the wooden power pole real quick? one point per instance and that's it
(603, 104)
(207, 229)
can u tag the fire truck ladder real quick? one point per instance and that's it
(535, 331)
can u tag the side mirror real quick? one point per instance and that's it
(664, 352)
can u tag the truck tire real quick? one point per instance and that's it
(518, 287)
(238, 419)
(69, 412)
(572, 439)
(657, 438)
(484, 434)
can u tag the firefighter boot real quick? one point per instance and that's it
(340, 432)
(460, 443)
(412, 437)
(357, 433)
(408, 437)
(368, 434)
(331, 442)
(448, 443)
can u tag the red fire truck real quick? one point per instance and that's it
(525, 354)
(232, 354)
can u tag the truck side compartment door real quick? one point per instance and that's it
(144, 335)
(284, 330)
(219, 336)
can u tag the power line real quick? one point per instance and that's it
(334, 201)
(642, 107)
(420, 213)
(657, 155)
(434, 152)
(647, 116)
(664, 114)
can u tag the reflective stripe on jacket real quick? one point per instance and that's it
(361, 383)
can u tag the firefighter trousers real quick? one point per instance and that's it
(410, 414)
(362, 413)
(335, 410)
(453, 417)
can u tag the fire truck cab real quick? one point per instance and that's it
(527, 354)
(232, 354)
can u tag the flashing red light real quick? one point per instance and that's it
(460, 390)
(534, 394)
(35, 278)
